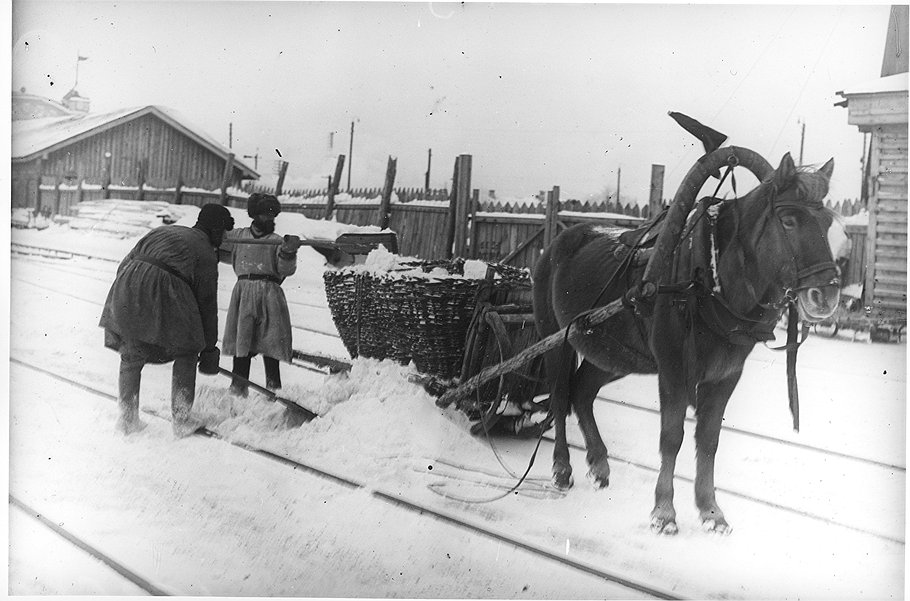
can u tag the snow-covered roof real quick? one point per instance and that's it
(892, 83)
(34, 136)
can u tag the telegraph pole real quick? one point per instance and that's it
(255, 158)
(618, 179)
(350, 156)
(802, 140)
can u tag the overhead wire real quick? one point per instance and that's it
(818, 59)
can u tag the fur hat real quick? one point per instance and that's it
(214, 217)
(262, 204)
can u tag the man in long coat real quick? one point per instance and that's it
(162, 307)
(258, 321)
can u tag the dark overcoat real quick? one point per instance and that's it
(165, 295)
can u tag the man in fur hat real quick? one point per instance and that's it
(162, 307)
(258, 321)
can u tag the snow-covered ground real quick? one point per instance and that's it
(201, 517)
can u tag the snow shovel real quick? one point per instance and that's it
(338, 252)
(296, 414)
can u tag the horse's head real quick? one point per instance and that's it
(785, 227)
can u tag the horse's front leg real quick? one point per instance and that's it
(673, 405)
(587, 382)
(712, 401)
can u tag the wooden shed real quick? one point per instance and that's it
(152, 146)
(879, 109)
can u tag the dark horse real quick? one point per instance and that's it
(737, 265)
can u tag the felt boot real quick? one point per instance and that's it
(239, 386)
(272, 373)
(183, 393)
(128, 398)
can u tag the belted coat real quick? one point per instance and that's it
(165, 295)
(258, 320)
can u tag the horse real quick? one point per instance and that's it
(738, 264)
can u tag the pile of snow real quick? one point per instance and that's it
(122, 219)
(125, 218)
(29, 219)
(382, 263)
(861, 218)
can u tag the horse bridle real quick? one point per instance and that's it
(791, 292)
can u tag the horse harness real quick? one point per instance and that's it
(697, 288)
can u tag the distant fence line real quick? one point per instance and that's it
(508, 233)
(57, 199)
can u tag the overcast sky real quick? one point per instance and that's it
(540, 94)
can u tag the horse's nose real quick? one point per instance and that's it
(816, 297)
(820, 302)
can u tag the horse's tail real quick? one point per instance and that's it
(560, 362)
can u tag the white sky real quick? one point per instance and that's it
(539, 94)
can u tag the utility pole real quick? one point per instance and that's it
(230, 134)
(426, 183)
(255, 158)
(618, 178)
(350, 156)
(802, 140)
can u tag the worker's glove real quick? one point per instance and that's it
(209, 361)
(288, 249)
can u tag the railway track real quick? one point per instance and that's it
(394, 498)
(89, 549)
(730, 491)
(335, 364)
(341, 365)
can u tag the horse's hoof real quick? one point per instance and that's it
(599, 481)
(717, 526)
(563, 480)
(664, 526)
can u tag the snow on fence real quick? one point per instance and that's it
(427, 222)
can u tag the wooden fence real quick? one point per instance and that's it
(492, 232)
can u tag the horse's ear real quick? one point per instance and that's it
(785, 171)
(827, 169)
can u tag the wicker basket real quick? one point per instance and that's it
(356, 313)
(411, 318)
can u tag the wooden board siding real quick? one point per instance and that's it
(886, 246)
(498, 236)
(169, 153)
(421, 230)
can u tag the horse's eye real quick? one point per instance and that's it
(789, 221)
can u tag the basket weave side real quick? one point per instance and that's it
(356, 313)
(407, 318)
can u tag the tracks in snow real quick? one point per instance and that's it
(822, 453)
(410, 505)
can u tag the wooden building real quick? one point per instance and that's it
(879, 109)
(151, 146)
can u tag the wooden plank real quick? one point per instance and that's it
(895, 218)
(892, 252)
(874, 150)
(885, 226)
(887, 243)
(892, 201)
(885, 282)
(385, 212)
(462, 205)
